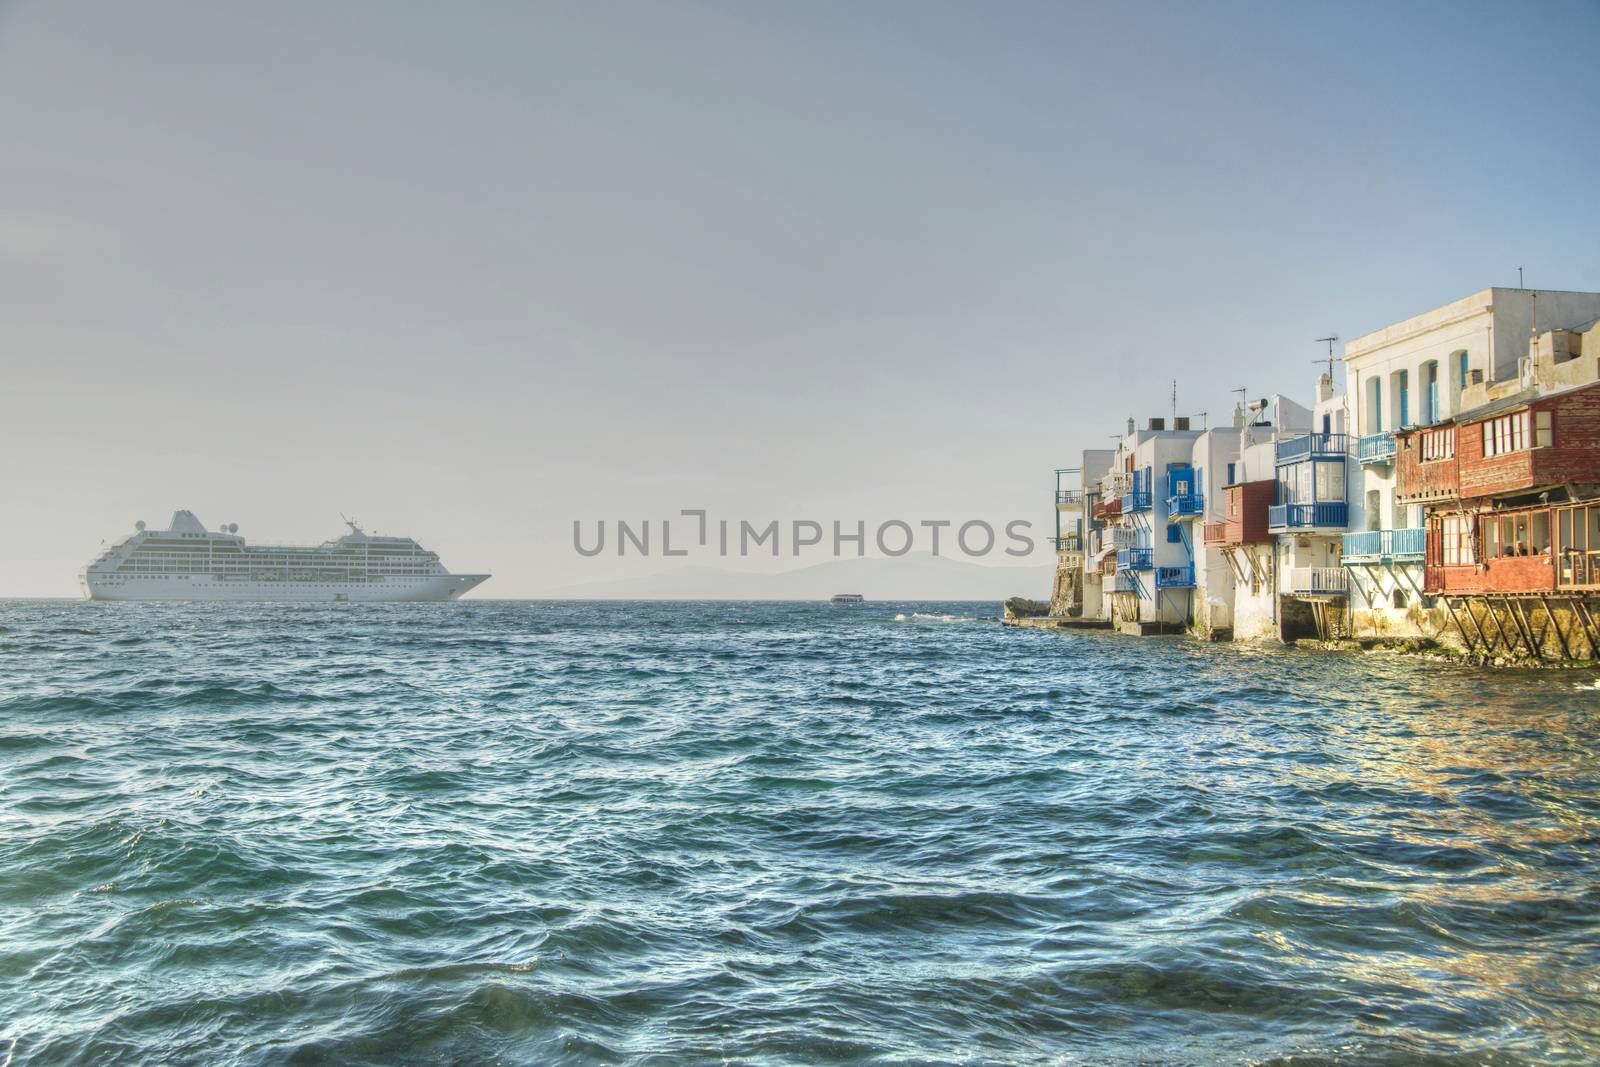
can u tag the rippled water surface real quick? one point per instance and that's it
(653, 834)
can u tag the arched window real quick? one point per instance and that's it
(1457, 369)
(1430, 392)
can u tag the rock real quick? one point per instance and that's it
(1022, 608)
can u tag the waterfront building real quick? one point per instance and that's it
(1421, 371)
(1151, 583)
(1511, 490)
(1235, 538)
(1073, 594)
(1308, 517)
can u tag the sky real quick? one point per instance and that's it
(473, 274)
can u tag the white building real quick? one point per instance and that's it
(1237, 589)
(1422, 370)
(1314, 471)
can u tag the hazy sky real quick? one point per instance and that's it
(469, 276)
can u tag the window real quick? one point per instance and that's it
(1521, 534)
(1580, 545)
(1174, 533)
(1439, 444)
(1330, 481)
(1430, 391)
(1402, 388)
(1455, 541)
(1508, 433)
(1230, 473)
(1543, 429)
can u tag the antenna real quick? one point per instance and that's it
(1174, 403)
(1330, 339)
(1519, 278)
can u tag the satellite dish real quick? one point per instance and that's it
(233, 527)
(139, 526)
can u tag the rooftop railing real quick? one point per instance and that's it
(1324, 513)
(1313, 446)
(1376, 546)
(1376, 448)
(1317, 581)
(1181, 577)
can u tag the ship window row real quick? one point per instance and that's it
(1439, 444)
(1513, 433)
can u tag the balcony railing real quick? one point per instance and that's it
(1376, 447)
(1133, 559)
(1215, 533)
(1119, 537)
(1116, 483)
(1334, 513)
(1108, 509)
(1136, 500)
(1068, 497)
(1318, 581)
(1175, 577)
(1382, 546)
(1187, 506)
(1313, 446)
(1068, 543)
(1123, 583)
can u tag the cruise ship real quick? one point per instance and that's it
(186, 561)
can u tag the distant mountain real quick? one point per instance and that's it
(911, 577)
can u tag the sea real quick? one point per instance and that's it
(503, 832)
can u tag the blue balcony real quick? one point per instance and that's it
(1321, 515)
(1185, 506)
(1313, 446)
(1375, 448)
(1175, 577)
(1136, 500)
(1385, 546)
(1133, 559)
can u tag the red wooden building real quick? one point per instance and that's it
(1509, 490)
(1246, 511)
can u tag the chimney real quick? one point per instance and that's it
(1239, 416)
(1324, 388)
(1130, 425)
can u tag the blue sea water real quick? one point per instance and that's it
(541, 833)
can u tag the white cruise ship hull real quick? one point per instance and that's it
(389, 589)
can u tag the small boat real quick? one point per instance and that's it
(847, 598)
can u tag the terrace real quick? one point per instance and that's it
(1181, 577)
(1324, 514)
(1134, 559)
(1385, 546)
(1313, 446)
(1317, 581)
(1376, 449)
